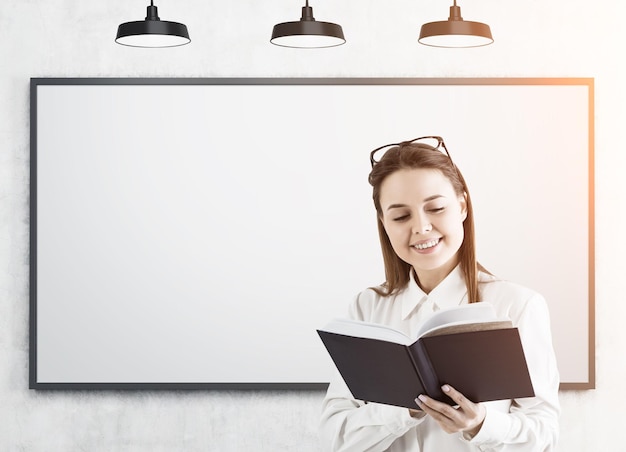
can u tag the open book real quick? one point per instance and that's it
(466, 346)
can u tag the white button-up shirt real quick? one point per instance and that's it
(527, 424)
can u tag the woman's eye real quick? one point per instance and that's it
(437, 209)
(401, 218)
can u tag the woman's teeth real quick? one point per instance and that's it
(423, 246)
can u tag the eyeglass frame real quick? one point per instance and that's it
(440, 144)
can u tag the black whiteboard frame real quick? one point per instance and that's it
(36, 82)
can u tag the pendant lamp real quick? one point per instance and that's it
(307, 33)
(455, 32)
(152, 32)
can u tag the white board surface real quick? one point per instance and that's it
(199, 231)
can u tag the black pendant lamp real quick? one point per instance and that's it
(152, 32)
(455, 32)
(307, 33)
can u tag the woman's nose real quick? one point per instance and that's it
(421, 225)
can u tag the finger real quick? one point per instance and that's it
(451, 419)
(471, 415)
(436, 409)
(456, 396)
(440, 412)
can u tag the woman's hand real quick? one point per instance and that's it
(468, 417)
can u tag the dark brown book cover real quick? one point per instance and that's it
(484, 365)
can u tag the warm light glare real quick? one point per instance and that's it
(459, 41)
(307, 41)
(152, 40)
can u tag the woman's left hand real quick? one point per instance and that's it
(468, 417)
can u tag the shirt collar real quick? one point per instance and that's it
(448, 293)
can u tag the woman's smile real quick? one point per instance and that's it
(426, 246)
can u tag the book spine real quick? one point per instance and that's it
(426, 373)
(409, 352)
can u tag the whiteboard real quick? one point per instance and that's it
(194, 233)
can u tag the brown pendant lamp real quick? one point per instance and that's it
(455, 32)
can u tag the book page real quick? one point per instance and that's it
(357, 328)
(458, 319)
(464, 327)
(458, 315)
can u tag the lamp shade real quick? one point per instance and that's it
(455, 32)
(152, 32)
(307, 32)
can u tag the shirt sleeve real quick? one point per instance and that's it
(347, 424)
(531, 423)
(351, 425)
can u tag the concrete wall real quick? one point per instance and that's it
(71, 38)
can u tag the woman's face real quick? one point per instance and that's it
(423, 217)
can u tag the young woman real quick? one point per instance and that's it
(426, 230)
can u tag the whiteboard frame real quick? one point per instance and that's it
(34, 380)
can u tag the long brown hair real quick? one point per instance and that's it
(415, 156)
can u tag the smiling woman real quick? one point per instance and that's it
(426, 230)
(423, 217)
(396, 187)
